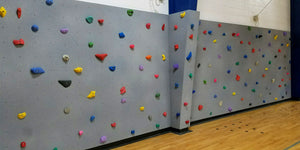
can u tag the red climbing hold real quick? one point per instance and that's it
(220, 25)
(148, 25)
(19, 12)
(165, 114)
(187, 121)
(241, 42)
(237, 77)
(242, 99)
(249, 43)
(263, 75)
(163, 27)
(200, 107)
(253, 50)
(23, 144)
(123, 90)
(204, 32)
(279, 85)
(233, 34)
(191, 36)
(282, 80)
(156, 76)
(204, 48)
(279, 50)
(100, 21)
(18, 42)
(101, 56)
(176, 46)
(113, 125)
(185, 103)
(131, 46)
(175, 27)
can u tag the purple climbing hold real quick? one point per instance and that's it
(229, 109)
(284, 33)
(259, 49)
(141, 67)
(219, 56)
(175, 66)
(269, 44)
(64, 30)
(37, 70)
(103, 139)
(123, 100)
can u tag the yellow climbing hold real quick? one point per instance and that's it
(220, 103)
(276, 98)
(266, 69)
(287, 45)
(249, 70)
(92, 94)
(163, 57)
(142, 108)
(78, 70)
(182, 14)
(233, 93)
(2, 12)
(215, 40)
(275, 37)
(22, 115)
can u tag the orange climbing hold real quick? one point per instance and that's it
(242, 99)
(148, 57)
(263, 75)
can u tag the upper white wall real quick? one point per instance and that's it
(157, 6)
(275, 16)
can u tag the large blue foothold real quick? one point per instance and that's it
(121, 35)
(192, 26)
(49, 2)
(229, 47)
(177, 114)
(92, 118)
(35, 28)
(112, 68)
(37, 70)
(132, 131)
(189, 56)
(209, 32)
(176, 85)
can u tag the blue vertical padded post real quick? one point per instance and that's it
(295, 48)
(181, 5)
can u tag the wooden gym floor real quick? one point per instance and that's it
(275, 127)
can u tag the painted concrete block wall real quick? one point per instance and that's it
(238, 67)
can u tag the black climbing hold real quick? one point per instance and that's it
(198, 65)
(65, 83)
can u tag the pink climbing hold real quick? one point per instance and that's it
(163, 27)
(200, 107)
(101, 56)
(238, 34)
(18, 42)
(237, 77)
(176, 46)
(175, 27)
(156, 76)
(80, 132)
(131, 46)
(148, 25)
(215, 80)
(185, 103)
(287, 73)
(191, 36)
(165, 114)
(100, 21)
(123, 90)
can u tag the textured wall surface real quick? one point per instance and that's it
(261, 62)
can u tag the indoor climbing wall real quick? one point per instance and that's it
(76, 75)
(239, 67)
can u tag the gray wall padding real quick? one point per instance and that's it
(265, 90)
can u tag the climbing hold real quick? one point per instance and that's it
(149, 117)
(142, 108)
(163, 27)
(249, 28)
(157, 126)
(194, 91)
(204, 32)
(66, 58)
(64, 30)
(219, 25)
(49, 2)
(141, 67)
(148, 25)
(204, 48)
(78, 70)
(189, 56)
(175, 66)
(19, 12)
(156, 76)
(37, 70)
(242, 99)
(229, 109)
(121, 35)
(103, 139)
(224, 87)
(256, 63)
(253, 90)
(228, 71)
(192, 26)
(219, 56)
(245, 84)
(275, 37)
(123, 90)
(256, 83)
(65, 83)
(132, 132)
(2, 12)
(279, 50)
(264, 101)
(66, 110)
(270, 62)
(287, 45)
(22, 115)
(92, 94)
(89, 19)
(191, 75)
(23, 144)
(200, 107)
(185, 103)
(157, 95)
(148, 57)
(209, 32)
(18, 42)
(91, 44)
(220, 103)
(229, 47)
(163, 57)
(123, 100)
(284, 33)
(165, 114)
(237, 63)
(215, 80)
(266, 69)
(182, 14)
(92, 118)
(237, 77)
(204, 81)
(269, 44)
(187, 121)
(233, 93)
(215, 41)
(176, 85)
(100, 21)
(209, 65)
(80, 132)
(273, 80)
(35, 28)
(101, 56)
(245, 56)
(279, 85)
(176, 46)
(55, 148)
(130, 12)
(131, 46)
(112, 68)
(191, 36)
(269, 31)
(249, 70)
(177, 115)
(275, 98)
(224, 34)
(253, 50)
(210, 113)
(249, 43)
(241, 42)
(237, 34)
(233, 34)
(215, 96)
(175, 27)
(113, 125)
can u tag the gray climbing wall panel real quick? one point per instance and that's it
(263, 66)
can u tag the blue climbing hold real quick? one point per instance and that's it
(224, 34)
(215, 96)
(281, 44)
(269, 31)
(228, 71)
(229, 47)
(209, 32)
(49, 2)
(92, 118)
(189, 56)
(256, 36)
(279, 68)
(245, 84)
(194, 91)
(245, 56)
(264, 101)
(199, 22)
(177, 114)
(176, 85)
(132, 132)
(37, 70)
(35, 28)
(256, 83)
(112, 68)
(263, 55)
(121, 35)
(192, 26)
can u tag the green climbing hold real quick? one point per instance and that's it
(253, 90)
(210, 113)
(284, 85)
(130, 12)
(91, 44)
(157, 95)
(237, 63)
(55, 148)
(157, 125)
(204, 81)
(224, 87)
(89, 19)
(270, 62)
(190, 75)
(249, 28)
